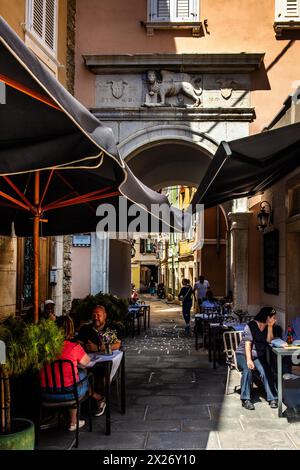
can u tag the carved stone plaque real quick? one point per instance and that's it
(118, 90)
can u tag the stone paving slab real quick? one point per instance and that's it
(274, 440)
(123, 440)
(171, 425)
(181, 412)
(181, 440)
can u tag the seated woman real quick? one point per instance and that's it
(209, 301)
(75, 353)
(251, 354)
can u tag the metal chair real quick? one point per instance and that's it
(231, 341)
(57, 389)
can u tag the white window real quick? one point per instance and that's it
(287, 10)
(42, 22)
(174, 11)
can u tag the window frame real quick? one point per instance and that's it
(41, 40)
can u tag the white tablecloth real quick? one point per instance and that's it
(116, 359)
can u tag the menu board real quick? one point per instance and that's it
(271, 262)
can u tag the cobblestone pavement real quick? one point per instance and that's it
(175, 400)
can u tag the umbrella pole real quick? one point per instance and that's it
(36, 246)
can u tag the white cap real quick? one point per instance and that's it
(49, 301)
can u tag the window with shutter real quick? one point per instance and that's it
(42, 21)
(173, 10)
(287, 15)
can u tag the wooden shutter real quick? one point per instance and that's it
(291, 9)
(287, 10)
(50, 23)
(42, 16)
(185, 10)
(38, 17)
(160, 10)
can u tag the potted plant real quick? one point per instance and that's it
(28, 347)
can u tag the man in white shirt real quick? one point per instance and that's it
(201, 288)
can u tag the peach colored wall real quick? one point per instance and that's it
(233, 25)
(81, 272)
(13, 11)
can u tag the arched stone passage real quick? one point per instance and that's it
(168, 155)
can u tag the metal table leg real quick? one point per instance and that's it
(107, 397)
(123, 390)
(279, 384)
(214, 346)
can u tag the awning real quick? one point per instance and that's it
(244, 167)
(44, 128)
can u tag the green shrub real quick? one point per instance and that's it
(115, 307)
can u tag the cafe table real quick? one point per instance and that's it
(113, 366)
(280, 353)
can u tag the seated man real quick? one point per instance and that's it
(91, 337)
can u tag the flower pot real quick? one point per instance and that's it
(21, 437)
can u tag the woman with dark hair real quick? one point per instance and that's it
(186, 295)
(251, 354)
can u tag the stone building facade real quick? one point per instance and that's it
(173, 88)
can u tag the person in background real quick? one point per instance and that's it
(186, 296)
(200, 289)
(134, 295)
(75, 353)
(209, 301)
(152, 286)
(49, 310)
(251, 354)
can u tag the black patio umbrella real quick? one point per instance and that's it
(244, 167)
(57, 161)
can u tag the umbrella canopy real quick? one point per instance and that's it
(57, 161)
(44, 128)
(244, 167)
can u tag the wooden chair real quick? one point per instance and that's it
(57, 390)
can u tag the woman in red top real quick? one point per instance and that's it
(73, 352)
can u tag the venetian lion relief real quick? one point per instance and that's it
(172, 84)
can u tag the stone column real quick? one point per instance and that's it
(239, 257)
(8, 275)
(99, 263)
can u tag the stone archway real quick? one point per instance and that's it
(181, 155)
(175, 155)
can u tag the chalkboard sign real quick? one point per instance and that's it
(271, 262)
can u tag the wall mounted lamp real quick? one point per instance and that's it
(265, 216)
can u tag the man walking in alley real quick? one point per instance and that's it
(200, 289)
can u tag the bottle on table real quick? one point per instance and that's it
(289, 338)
